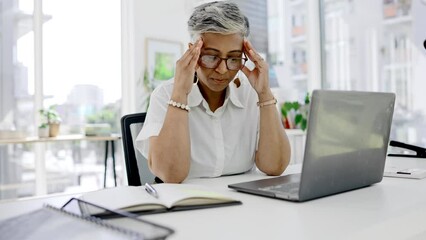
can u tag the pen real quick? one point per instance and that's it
(151, 190)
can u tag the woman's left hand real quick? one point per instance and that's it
(259, 76)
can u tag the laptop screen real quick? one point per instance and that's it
(348, 135)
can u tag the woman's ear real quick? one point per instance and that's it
(190, 45)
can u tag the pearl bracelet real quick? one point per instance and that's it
(266, 103)
(178, 105)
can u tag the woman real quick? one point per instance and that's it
(221, 124)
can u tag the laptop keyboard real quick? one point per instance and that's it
(291, 187)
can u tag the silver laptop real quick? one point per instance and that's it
(346, 145)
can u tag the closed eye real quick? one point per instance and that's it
(210, 58)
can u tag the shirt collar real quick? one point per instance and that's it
(234, 96)
(195, 98)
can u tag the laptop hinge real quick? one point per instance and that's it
(290, 196)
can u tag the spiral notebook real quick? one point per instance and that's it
(74, 221)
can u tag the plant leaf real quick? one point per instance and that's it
(288, 106)
(307, 98)
(298, 118)
(304, 124)
(296, 106)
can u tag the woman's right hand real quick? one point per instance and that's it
(185, 68)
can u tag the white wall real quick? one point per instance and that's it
(159, 19)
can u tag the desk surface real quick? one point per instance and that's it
(72, 137)
(392, 209)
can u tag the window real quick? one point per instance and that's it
(81, 76)
(293, 47)
(369, 46)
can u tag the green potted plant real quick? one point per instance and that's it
(43, 130)
(295, 114)
(52, 119)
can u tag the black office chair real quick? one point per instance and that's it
(138, 172)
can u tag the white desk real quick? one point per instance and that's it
(392, 209)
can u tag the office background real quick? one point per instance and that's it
(90, 59)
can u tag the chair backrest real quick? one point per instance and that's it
(138, 172)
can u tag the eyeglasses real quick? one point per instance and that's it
(212, 62)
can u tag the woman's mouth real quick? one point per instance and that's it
(219, 81)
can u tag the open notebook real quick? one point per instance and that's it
(171, 197)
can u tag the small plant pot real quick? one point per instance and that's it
(53, 129)
(43, 132)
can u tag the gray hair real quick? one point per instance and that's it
(218, 17)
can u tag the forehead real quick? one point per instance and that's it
(223, 43)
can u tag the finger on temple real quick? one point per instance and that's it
(246, 48)
(200, 42)
(194, 60)
(186, 54)
(250, 46)
(255, 57)
(189, 54)
(248, 52)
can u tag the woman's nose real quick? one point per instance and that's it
(222, 68)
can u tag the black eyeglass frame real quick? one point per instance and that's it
(222, 59)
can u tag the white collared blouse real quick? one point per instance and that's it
(223, 142)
